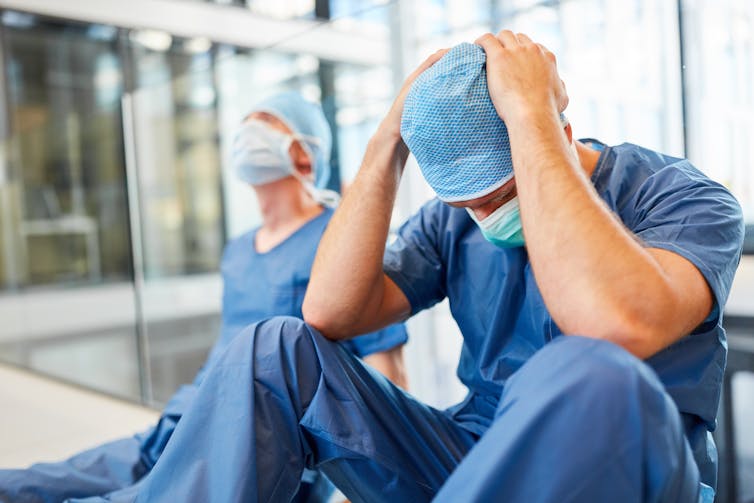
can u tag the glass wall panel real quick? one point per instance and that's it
(179, 200)
(75, 214)
(719, 45)
(180, 193)
(66, 294)
(620, 62)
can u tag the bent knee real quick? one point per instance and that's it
(286, 326)
(594, 367)
(279, 333)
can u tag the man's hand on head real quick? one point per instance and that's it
(522, 76)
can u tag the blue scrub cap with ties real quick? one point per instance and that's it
(305, 118)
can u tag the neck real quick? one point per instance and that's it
(588, 157)
(285, 202)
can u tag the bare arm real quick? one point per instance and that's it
(596, 278)
(348, 292)
(390, 364)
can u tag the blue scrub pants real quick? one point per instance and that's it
(582, 420)
(119, 466)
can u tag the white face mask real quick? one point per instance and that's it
(261, 156)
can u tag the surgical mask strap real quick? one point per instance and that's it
(326, 197)
(322, 196)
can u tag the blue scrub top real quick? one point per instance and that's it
(494, 298)
(261, 285)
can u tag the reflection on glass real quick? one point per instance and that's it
(291, 9)
(363, 97)
(442, 19)
(66, 296)
(719, 43)
(178, 161)
(179, 200)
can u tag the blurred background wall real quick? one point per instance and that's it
(116, 120)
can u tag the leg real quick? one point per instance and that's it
(282, 398)
(583, 420)
(96, 471)
(153, 442)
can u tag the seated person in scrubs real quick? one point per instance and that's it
(281, 148)
(588, 286)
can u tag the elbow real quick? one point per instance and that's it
(321, 319)
(637, 338)
(641, 332)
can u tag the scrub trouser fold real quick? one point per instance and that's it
(582, 421)
(282, 398)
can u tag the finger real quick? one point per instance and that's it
(563, 97)
(524, 38)
(508, 38)
(547, 53)
(490, 44)
(436, 56)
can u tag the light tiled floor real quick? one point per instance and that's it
(44, 420)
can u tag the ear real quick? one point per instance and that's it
(301, 161)
(569, 132)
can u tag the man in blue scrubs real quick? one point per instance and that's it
(282, 150)
(588, 286)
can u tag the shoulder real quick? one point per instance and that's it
(631, 162)
(635, 179)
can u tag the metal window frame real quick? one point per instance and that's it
(220, 23)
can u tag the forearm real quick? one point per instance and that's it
(595, 277)
(346, 285)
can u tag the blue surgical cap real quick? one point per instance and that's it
(450, 125)
(306, 118)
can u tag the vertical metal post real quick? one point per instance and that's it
(684, 77)
(326, 75)
(9, 258)
(137, 250)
